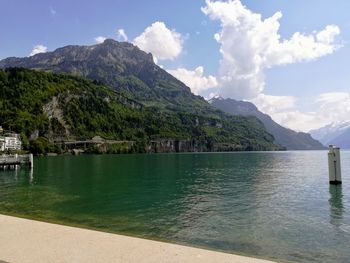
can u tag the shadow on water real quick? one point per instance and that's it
(336, 205)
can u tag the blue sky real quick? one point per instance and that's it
(307, 87)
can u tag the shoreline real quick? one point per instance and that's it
(26, 240)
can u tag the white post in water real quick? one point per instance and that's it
(31, 163)
(334, 165)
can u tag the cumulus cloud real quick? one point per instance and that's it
(299, 121)
(330, 107)
(38, 49)
(283, 110)
(100, 39)
(121, 35)
(163, 43)
(273, 104)
(250, 44)
(334, 106)
(334, 98)
(195, 79)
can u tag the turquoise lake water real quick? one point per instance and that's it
(273, 205)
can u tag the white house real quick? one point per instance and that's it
(2, 143)
(10, 141)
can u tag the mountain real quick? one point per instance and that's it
(134, 77)
(122, 66)
(343, 140)
(337, 133)
(50, 109)
(285, 137)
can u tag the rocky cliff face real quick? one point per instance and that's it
(165, 145)
(171, 145)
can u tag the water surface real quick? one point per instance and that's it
(274, 205)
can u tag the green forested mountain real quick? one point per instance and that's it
(50, 107)
(169, 109)
(288, 138)
(121, 66)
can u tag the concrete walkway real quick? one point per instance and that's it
(23, 240)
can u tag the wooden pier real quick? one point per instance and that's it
(12, 161)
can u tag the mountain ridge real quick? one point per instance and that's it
(285, 137)
(336, 133)
(120, 65)
(133, 73)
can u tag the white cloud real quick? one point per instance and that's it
(273, 104)
(121, 35)
(330, 107)
(283, 110)
(298, 121)
(195, 79)
(212, 95)
(163, 43)
(334, 98)
(250, 44)
(328, 35)
(38, 49)
(334, 106)
(100, 39)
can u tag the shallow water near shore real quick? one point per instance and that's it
(274, 205)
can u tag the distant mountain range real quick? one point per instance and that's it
(335, 133)
(285, 137)
(138, 101)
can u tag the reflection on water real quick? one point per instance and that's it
(336, 204)
(277, 205)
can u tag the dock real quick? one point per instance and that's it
(12, 161)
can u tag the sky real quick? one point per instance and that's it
(290, 58)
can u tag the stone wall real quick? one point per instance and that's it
(172, 145)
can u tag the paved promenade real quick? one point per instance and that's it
(29, 241)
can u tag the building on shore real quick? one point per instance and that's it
(2, 143)
(10, 142)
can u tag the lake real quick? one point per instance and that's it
(273, 205)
